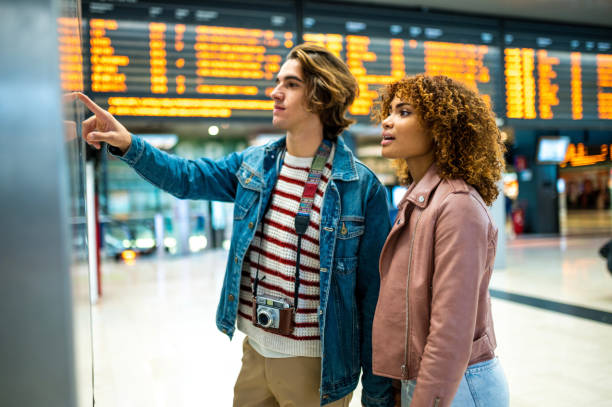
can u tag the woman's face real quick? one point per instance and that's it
(403, 136)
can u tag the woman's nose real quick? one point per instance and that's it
(387, 123)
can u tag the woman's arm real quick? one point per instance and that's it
(460, 255)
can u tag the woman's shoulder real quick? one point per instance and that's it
(458, 197)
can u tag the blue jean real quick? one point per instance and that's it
(483, 384)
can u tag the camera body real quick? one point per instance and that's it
(273, 315)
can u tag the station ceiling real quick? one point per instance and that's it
(590, 12)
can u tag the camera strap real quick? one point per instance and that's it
(302, 218)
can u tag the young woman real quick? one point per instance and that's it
(433, 327)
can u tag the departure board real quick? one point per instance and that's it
(219, 59)
(383, 46)
(557, 77)
(198, 61)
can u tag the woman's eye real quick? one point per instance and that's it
(405, 112)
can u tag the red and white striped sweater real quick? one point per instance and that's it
(276, 257)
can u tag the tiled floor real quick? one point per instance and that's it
(156, 344)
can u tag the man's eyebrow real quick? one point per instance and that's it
(289, 77)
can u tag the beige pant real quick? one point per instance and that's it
(279, 382)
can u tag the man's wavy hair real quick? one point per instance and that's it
(330, 87)
(467, 143)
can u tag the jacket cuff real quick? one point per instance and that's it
(387, 400)
(432, 396)
(133, 153)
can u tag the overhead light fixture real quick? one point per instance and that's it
(213, 130)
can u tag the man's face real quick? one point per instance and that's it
(289, 96)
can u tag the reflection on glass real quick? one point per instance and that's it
(71, 71)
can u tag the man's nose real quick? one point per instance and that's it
(276, 94)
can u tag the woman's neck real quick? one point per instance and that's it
(418, 166)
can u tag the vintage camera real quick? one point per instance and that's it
(273, 315)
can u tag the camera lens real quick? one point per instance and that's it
(264, 318)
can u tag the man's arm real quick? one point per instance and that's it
(377, 391)
(185, 179)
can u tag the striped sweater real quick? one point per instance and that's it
(274, 252)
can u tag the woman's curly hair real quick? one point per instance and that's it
(467, 142)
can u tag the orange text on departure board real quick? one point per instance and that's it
(71, 59)
(577, 156)
(357, 53)
(157, 57)
(183, 107)
(604, 80)
(463, 62)
(240, 53)
(520, 83)
(576, 85)
(105, 76)
(548, 90)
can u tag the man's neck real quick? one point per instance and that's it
(305, 141)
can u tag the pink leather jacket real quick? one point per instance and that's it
(433, 316)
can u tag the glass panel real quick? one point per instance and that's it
(71, 71)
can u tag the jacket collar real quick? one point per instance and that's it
(343, 166)
(419, 193)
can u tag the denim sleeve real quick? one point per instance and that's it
(377, 391)
(186, 179)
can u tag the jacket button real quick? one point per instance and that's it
(251, 225)
(325, 396)
(236, 259)
(421, 198)
(320, 312)
(230, 297)
(224, 330)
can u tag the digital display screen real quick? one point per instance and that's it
(186, 61)
(552, 150)
(381, 46)
(220, 60)
(557, 77)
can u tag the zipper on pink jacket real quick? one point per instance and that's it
(405, 365)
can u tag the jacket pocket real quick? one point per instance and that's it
(348, 236)
(345, 330)
(351, 227)
(345, 265)
(250, 186)
(481, 347)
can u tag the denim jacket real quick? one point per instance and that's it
(354, 225)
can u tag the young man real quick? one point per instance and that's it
(309, 321)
